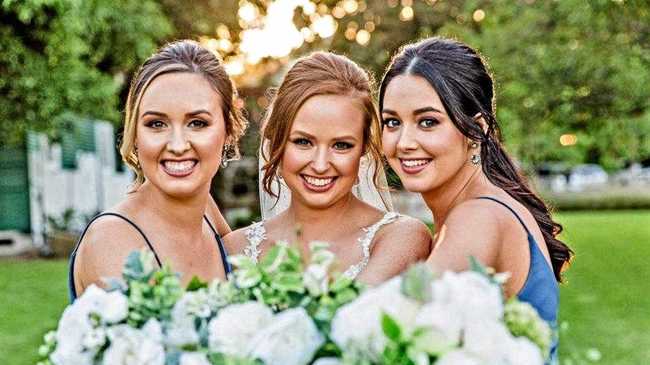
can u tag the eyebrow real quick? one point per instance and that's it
(416, 111)
(190, 114)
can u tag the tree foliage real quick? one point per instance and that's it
(70, 56)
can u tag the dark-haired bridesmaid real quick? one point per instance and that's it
(441, 136)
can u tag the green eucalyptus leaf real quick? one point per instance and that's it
(196, 284)
(390, 327)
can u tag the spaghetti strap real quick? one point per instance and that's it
(146, 240)
(71, 287)
(510, 209)
(221, 246)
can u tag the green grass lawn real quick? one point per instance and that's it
(605, 299)
(34, 294)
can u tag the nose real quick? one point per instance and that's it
(178, 143)
(407, 140)
(320, 160)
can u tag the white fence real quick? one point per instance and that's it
(92, 187)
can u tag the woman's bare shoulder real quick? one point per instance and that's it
(104, 248)
(236, 241)
(406, 234)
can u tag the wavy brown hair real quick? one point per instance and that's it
(461, 78)
(320, 73)
(181, 56)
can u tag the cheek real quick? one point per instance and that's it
(388, 142)
(209, 143)
(347, 164)
(294, 159)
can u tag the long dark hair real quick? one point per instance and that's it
(461, 79)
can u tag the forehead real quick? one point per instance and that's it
(410, 92)
(180, 91)
(329, 116)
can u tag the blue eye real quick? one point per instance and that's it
(428, 123)
(342, 145)
(301, 142)
(391, 123)
(197, 123)
(156, 124)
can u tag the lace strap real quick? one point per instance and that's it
(255, 234)
(366, 242)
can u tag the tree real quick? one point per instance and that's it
(571, 76)
(61, 56)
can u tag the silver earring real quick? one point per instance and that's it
(476, 158)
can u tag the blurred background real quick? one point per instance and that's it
(572, 98)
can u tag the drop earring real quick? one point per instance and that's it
(476, 157)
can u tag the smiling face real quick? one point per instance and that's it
(180, 134)
(419, 139)
(321, 158)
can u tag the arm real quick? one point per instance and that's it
(397, 246)
(471, 229)
(103, 251)
(214, 215)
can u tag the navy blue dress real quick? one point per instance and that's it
(71, 288)
(540, 290)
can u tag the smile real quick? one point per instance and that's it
(179, 168)
(318, 184)
(413, 166)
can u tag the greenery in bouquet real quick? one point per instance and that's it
(148, 318)
(456, 318)
(289, 310)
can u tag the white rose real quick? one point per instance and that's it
(357, 325)
(488, 340)
(114, 307)
(181, 330)
(315, 279)
(232, 330)
(76, 329)
(445, 326)
(130, 346)
(523, 351)
(290, 339)
(458, 357)
(471, 294)
(193, 358)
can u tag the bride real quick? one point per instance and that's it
(321, 143)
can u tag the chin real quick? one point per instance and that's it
(181, 190)
(417, 185)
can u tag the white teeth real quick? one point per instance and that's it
(414, 163)
(179, 166)
(318, 182)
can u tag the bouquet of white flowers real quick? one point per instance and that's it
(283, 312)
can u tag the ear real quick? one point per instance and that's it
(478, 118)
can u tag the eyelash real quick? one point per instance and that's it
(387, 123)
(301, 141)
(433, 122)
(202, 123)
(155, 124)
(343, 145)
(337, 145)
(194, 123)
